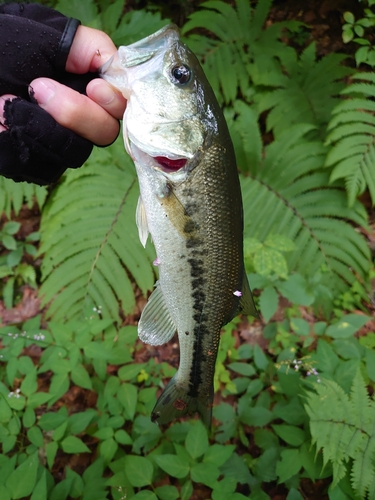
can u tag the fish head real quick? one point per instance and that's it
(167, 117)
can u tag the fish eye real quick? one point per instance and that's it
(181, 74)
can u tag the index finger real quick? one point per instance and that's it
(90, 49)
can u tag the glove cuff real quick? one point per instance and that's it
(66, 43)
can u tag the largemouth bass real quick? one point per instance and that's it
(190, 203)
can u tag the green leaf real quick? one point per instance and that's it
(72, 444)
(205, 473)
(268, 302)
(9, 242)
(172, 465)
(22, 481)
(40, 490)
(300, 326)
(218, 454)
(290, 434)
(35, 436)
(130, 371)
(349, 17)
(289, 465)
(81, 377)
(145, 495)
(139, 470)
(260, 359)
(347, 326)
(196, 441)
(128, 397)
(167, 492)
(11, 227)
(244, 369)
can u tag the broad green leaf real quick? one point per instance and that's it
(289, 465)
(167, 492)
(218, 454)
(347, 326)
(128, 396)
(139, 470)
(205, 473)
(72, 444)
(290, 434)
(244, 369)
(130, 371)
(145, 495)
(35, 436)
(268, 302)
(81, 377)
(196, 440)
(40, 490)
(172, 465)
(260, 359)
(23, 479)
(300, 326)
(107, 449)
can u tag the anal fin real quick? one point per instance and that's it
(156, 326)
(246, 305)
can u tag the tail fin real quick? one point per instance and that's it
(174, 402)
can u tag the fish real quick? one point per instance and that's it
(190, 202)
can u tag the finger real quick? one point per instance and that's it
(75, 111)
(107, 97)
(90, 49)
(3, 99)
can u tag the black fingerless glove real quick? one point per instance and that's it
(34, 42)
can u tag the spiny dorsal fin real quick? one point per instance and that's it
(156, 326)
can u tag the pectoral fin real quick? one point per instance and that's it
(246, 305)
(156, 326)
(141, 221)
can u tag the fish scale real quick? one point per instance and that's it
(190, 203)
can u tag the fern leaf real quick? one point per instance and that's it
(307, 94)
(92, 251)
(351, 137)
(286, 193)
(241, 44)
(343, 426)
(14, 194)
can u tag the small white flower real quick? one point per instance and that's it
(156, 262)
(237, 293)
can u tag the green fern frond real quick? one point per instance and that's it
(243, 48)
(343, 427)
(90, 241)
(307, 93)
(351, 137)
(286, 193)
(14, 194)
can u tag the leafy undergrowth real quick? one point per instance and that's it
(75, 404)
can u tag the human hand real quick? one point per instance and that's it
(51, 124)
(94, 116)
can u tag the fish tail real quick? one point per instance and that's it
(175, 402)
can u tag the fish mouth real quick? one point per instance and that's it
(168, 164)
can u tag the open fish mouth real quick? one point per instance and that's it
(169, 165)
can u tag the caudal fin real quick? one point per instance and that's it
(174, 403)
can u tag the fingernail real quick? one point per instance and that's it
(102, 93)
(42, 90)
